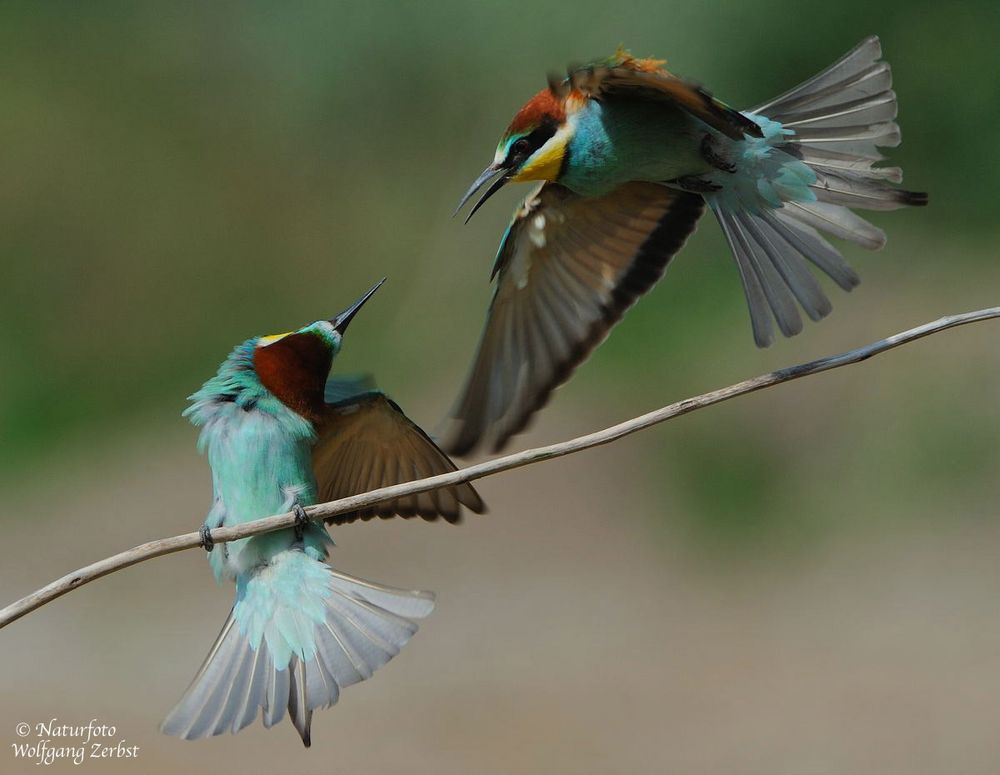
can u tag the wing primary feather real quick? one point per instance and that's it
(367, 443)
(558, 297)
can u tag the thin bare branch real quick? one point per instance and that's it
(319, 511)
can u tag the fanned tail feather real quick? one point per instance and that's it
(841, 117)
(302, 648)
(769, 249)
(838, 120)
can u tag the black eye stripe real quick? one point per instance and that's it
(540, 136)
(523, 147)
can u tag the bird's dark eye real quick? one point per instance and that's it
(523, 147)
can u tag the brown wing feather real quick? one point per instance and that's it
(624, 75)
(367, 442)
(567, 270)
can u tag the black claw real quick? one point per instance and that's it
(696, 185)
(709, 154)
(206, 538)
(301, 520)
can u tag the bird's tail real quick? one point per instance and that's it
(816, 160)
(298, 633)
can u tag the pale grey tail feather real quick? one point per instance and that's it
(770, 248)
(841, 117)
(824, 160)
(365, 626)
(878, 110)
(836, 221)
(808, 242)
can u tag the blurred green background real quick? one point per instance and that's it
(800, 581)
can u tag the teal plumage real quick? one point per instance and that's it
(612, 145)
(299, 631)
(260, 452)
(629, 156)
(261, 457)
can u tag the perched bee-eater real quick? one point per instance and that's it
(279, 437)
(630, 155)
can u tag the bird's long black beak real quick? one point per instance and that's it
(487, 174)
(341, 321)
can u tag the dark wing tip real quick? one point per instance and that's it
(463, 444)
(913, 198)
(470, 498)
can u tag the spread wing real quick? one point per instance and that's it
(567, 269)
(366, 442)
(624, 75)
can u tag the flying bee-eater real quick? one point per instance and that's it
(629, 156)
(280, 436)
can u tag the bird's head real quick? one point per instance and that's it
(532, 148)
(294, 366)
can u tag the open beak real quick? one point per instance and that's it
(488, 173)
(341, 321)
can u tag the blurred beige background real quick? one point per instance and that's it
(802, 581)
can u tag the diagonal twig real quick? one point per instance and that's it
(319, 511)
